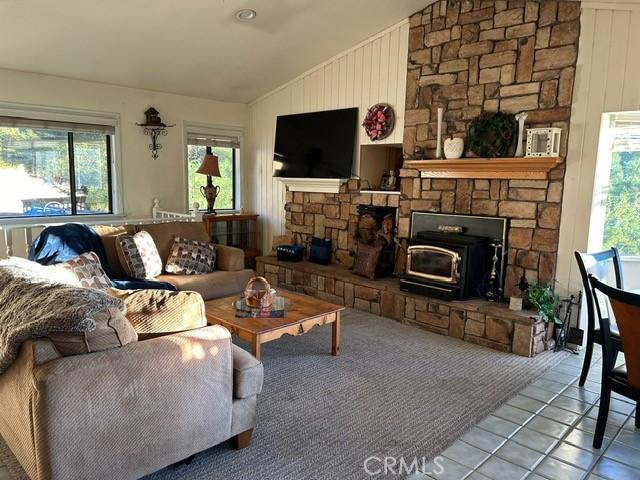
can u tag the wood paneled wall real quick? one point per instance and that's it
(371, 72)
(607, 80)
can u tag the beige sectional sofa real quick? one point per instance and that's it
(229, 278)
(123, 413)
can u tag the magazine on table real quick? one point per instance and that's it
(276, 310)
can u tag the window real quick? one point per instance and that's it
(226, 148)
(54, 168)
(616, 208)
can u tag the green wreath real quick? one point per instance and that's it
(492, 134)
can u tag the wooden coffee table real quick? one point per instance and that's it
(301, 315)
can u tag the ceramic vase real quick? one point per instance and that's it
(453, 147)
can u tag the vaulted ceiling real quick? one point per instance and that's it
(190, 47)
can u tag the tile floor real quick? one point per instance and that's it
(546, 432)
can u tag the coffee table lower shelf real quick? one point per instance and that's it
(304, 314)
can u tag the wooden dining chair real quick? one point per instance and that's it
(598, 265)
(625, 379)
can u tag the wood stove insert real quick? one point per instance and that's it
(455, 257)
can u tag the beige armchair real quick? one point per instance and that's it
(130, 411)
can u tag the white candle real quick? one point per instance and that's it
(439, 137)
(521, 117)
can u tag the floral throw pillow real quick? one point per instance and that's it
(190, 257)
(87, 270)
(138, 255)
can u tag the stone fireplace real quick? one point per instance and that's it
(468, 57)
(336, 216)
(532, 206)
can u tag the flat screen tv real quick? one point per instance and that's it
(315, 145)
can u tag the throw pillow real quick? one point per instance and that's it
(190, 257)
(366, 261)
(87, 270)
(139, 256)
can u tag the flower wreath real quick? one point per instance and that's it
(379, 121)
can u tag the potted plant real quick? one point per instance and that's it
(547, 303)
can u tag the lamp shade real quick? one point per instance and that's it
(209, 165)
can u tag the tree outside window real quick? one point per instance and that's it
(622, 213)
(615, 211)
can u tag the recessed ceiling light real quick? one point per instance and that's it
(246, 14)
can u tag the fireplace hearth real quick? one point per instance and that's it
(455, 257)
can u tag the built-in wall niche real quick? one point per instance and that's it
(376, 162)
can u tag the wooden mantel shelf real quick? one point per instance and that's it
(527, 168)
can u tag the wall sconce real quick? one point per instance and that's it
(154, 127)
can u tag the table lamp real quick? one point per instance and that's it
(210, 168)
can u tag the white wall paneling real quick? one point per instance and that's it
(371, 72)
(607, 80)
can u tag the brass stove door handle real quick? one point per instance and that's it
(455, 268)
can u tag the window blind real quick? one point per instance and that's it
(20, 122)
(208, 140)
(625, 132)
(626, 139)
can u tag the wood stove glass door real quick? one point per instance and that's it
(433, 263)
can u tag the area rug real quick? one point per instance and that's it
(395, 390)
